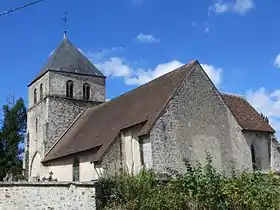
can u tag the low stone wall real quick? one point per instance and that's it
(28, 195)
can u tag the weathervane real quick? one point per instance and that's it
(65, 19)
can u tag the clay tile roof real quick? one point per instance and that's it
(101, 125)
(248, 118)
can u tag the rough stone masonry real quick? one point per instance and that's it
(55, 196)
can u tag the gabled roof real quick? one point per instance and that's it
(100, 125)
(247, 117)
(67, 58)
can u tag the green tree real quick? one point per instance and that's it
(12, 135)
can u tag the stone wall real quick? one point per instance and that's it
(36, 122)
(53, 113)
(47, 196)
(260, 142)
(57, 85)
(197, 121)
(61, 114)
(275, 155)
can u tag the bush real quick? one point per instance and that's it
(200, 187)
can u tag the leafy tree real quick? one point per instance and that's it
(12, 134)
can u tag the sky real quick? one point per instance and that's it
(134, 41)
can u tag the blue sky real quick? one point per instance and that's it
(134, 41)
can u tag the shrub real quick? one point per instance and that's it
(200, 187)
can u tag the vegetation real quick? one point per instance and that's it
(200, 187)
(12, 132)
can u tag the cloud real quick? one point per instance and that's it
(102, 54)
(243, 6)
(207, 30)
(277, 61)
(266, 102)
(143, 76)
(220, 7)
(119, 67)
(115, 67)
(146, 38)
(240, 7)
(214, 73)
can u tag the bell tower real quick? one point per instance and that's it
(67, 85)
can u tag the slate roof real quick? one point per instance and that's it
(100, 125)
(67, 58)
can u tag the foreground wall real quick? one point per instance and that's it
(47, 196)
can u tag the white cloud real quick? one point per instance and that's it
(147, 38)
(268, 103)
(243, 6)
(237, 6)
(220, 7)
(115, 67)
(119, 67)
(143, 76)
(214, 73)
(277, 61)
(99, 56)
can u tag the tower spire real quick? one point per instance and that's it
(65, 19)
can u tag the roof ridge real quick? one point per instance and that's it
(147, 83)
(233, 94)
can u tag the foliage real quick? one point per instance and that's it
(12, 134)
(199, 187)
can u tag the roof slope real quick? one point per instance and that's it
(101, 125)
(247, 117)
(68, 58)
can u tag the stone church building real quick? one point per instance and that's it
(73, 132)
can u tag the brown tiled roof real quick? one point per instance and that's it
(100, 125)
(247, 117)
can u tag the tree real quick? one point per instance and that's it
(12, 134)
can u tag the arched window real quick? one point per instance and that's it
(253, 157)
(86, 91)
(76, 169)
(35, 96)
(69, 89)
(41, 92)
(36, 125)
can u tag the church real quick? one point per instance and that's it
(73, 132)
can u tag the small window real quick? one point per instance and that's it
(36, 125)
(253, 158)
(76, 170)
(141, 152)
(27, 140)
(41, 92)
(35, 96)
(86, 91)
(69, 89)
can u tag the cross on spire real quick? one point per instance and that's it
(65, 19)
